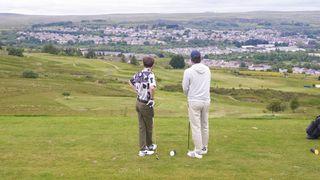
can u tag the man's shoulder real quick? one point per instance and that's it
(188, 69)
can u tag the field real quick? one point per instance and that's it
(93, 133)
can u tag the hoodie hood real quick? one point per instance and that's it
(199, 68)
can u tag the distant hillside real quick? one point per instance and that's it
(10, 21)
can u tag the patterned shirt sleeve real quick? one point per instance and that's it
(152, 80)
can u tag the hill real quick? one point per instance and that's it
(93, 133)
(10, 21)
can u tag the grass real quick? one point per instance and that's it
(93, 133)
(106, 148)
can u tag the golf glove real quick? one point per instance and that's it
(150, 103)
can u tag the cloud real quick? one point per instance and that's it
(151, 6)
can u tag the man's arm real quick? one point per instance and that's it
(152, 91)
(132, 82)
(133, 87)
(185, 82)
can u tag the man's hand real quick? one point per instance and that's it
(151, 103)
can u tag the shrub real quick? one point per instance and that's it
(51, 49)
(276, 106)
(294, 104)
(29, 74)
(177, 62)
(15, 51)
(91, 54)
(134, 61)
(66, 94)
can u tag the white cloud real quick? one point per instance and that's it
(151, 6)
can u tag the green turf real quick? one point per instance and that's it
(93, 134)
(106, 148)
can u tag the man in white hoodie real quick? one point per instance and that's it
(196, 86)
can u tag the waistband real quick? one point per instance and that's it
(142, 101)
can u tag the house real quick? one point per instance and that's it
(259, 67)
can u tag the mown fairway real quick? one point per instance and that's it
(93, 134)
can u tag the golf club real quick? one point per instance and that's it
(188, 135)
(155, 139)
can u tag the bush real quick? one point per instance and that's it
(51, 49)
(177, 62)
(276, 106)
(66, 94)
(134, 61)
(15, 51)
(91, 54)
(29, 74)
(294, 104)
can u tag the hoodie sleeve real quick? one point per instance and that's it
(186, 82)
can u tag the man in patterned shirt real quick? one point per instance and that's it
(144, 83)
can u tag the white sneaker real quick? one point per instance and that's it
(152, 147)
(142, 153)
(204, 150)
(145, 152)
(194, 154)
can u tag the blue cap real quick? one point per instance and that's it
(195, 54)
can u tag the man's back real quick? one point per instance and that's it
(196, 83)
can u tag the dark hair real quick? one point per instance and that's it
(148, 62)
(196, 60)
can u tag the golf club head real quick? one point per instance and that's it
(315, 151)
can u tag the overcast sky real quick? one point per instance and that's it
(76, 7)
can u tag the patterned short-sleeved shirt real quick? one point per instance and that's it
(142, 81)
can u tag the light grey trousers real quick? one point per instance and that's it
(198, 117)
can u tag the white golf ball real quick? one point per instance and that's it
(172, 152)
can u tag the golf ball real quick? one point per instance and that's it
(172, 153)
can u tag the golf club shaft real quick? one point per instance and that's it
(188, 135)
(155, 138)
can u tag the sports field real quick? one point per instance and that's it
(93, 134)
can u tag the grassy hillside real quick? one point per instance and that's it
(93, 133)
(100, 87)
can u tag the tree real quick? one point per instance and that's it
(15, 51)
(319, 78)
(276, 106)
(294, 104)
(177, 62)
(146, 43)
(243, 65)
(134, 61)
(50, 48)
(123, 57)
(1, 44)
(91, 54)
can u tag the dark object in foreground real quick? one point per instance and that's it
(314, 151)
(313, 130)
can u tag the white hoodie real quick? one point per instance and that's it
(196, 83)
